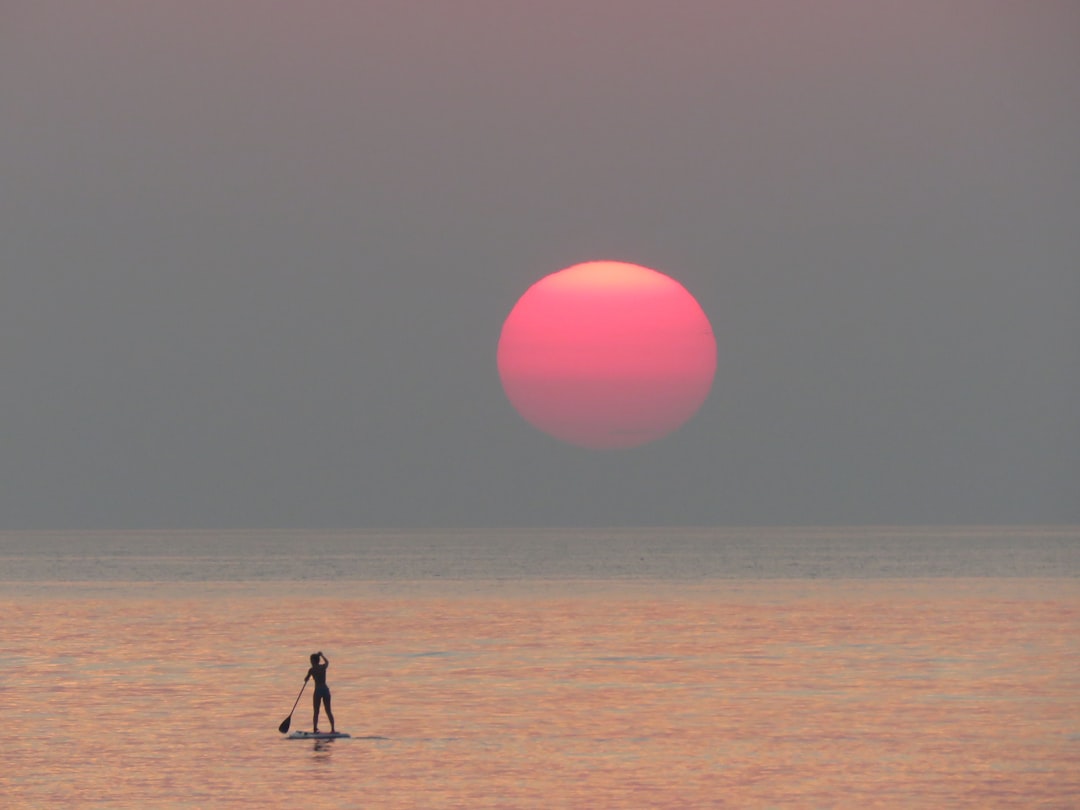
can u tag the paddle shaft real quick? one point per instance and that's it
(284, 727)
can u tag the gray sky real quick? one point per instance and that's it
(255, 257)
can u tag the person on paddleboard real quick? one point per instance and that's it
(322, 691)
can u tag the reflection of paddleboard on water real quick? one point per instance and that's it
(318, 735)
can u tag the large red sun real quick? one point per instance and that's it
(607, 354)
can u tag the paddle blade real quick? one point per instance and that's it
(284, 727)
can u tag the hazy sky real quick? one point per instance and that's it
(255, 257)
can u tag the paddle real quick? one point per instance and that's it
(284, 727)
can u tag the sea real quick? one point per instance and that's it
(856, 667)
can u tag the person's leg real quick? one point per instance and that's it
(329, 714)
(315, 719)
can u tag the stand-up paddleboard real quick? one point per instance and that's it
(318, 735)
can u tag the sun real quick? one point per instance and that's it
(607, 354)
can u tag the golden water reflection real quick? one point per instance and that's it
(935, 693)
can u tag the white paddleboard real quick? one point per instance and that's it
(318, 735)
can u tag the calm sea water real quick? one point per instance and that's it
(870, 667)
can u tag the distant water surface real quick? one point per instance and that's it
(626, 669)
(541, 554)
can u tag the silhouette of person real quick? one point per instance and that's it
(322, 691)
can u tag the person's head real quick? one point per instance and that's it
(314, 659)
